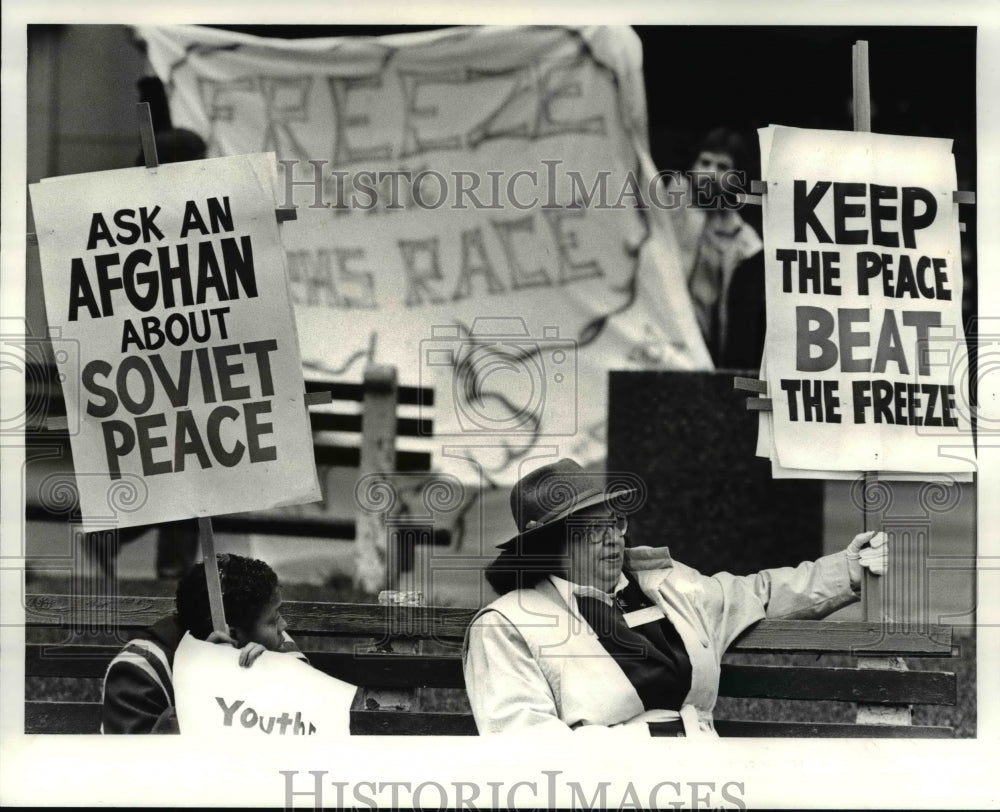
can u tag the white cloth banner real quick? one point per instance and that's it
(865, 356)
(177, 343)
(278, 695)
(472, 199)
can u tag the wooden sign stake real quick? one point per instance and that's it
(206, 538)
(147, 136)
(871, 588)
(862, 88)
(871, 585)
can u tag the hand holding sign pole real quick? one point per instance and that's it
(871, 585)
(864, 321)
(863, 282)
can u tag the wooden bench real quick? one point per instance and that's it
(362, 424)
(394, 653)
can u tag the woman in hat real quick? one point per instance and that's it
(587, 632)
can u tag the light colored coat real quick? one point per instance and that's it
(532, 660)
(718, 237)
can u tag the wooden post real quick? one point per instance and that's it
(395, 699)
(862, 88)
(872, 589)
(871, 592)
(146, 135)
(212, 580)
(206, 538)
(94, 572)
(378, 457)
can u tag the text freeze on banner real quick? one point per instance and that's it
(866, 359)
(471, 202)
(170, 287)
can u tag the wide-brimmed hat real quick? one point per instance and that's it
(554, 492)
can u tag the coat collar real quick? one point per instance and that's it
(640, 559)
(637, 560)
(568, 590)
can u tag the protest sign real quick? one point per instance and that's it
(189, 390)
(278, 695)
(480, 200)
(865, 356)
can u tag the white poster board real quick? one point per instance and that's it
(866, 360)
(184, 390)
(277, 695)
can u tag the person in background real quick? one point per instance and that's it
(589, 634)
(138, 686)
(720, 252)
(176, 145)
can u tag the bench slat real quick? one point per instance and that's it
(448, 623)
(396, 723)
(350, 457)
(128, 614)
(826, 730)
(62, 717)
(392, 670)
(319, 421)
(411, 723)
(770, 682)
(81, 661)
(858, 638)
(370, 620)
(445, 671)
(372, 670)
(267, 524)
(840, 684)
(303, 617)
(77, 717)
(43, 378)
(335, 421)
(270, 525)
(345, 456)
(405, 395)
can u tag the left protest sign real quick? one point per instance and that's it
(189, 388)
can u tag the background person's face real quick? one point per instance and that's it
(711, 166)
(713, 163)
(599, 563)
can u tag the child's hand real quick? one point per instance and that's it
(249, 654)
(220, 637)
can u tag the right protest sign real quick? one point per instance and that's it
(866, 361)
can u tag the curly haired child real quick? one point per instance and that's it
(138, 685)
